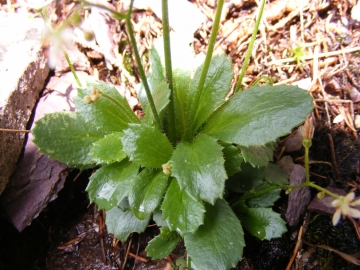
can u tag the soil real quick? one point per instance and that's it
(70, 232)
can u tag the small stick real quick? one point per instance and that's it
(15, 130)
(298, 242)
(333, 157)
(127, 254)
(137, 257)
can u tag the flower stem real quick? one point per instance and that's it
(72, 68)
(168, 69)
(191, 117)
(141, 68)
(251, 44)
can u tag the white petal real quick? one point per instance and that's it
(336, 217)
(355, 203)
(336, 203)
(355, 213)
(350, 197)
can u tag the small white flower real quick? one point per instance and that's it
(344, 206)
(59, 40)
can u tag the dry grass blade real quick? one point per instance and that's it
(352, 258)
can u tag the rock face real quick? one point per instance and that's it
(23, 71)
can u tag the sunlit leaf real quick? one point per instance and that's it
(122, 223)
(259, 115)
(66, 137)
(163, 244)
(161, 99)
(182, 213)
(108, 115)
(108, 150)
(110, 184)
(199, 168)
(146, 145)
(215, 90)
(219, 243)
(147, 190)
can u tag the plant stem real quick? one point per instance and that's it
(168, 69)
(251, 44)
(307, 174)
(141, 68)
(72, 68)
(191, 117)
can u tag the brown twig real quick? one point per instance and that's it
(137, 257)
(296, 249)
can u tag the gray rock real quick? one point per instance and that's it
(23, 71)
(298, 199)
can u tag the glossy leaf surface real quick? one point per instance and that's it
(182, 213)
(262, 223)
(199, 168)
(258, 156)
(122, 223)
(108, 149)
(216, 87)
(219, 243)
(146, 192)
(163, 244)
(66, 137)
(104, 113)
(161, 95)
(259, 115)
(146, 145)
(110, 184)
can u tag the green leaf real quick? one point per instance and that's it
(248, 178)
(146, 145)
(122, 223)
(259, 115)
(110, 184)
(199, 168)
(258, 156)
(216, 88)
(66, 137)
(108, 150)
(262, 223)
(162, 245)
(182, 80)
(233, 159)
(161, 99)
(182, 213)
(274, 174)
(157, 217)
(219, 243)
(104, 113)
(146, 192)
(265, 200)
(155, 77)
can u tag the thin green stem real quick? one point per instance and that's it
(195, 103)
(307, 174)
(141, 68)
(168, 69)
(249, 50)
(72, 68)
